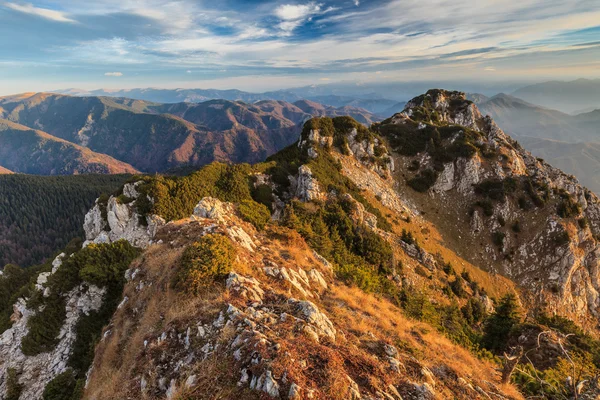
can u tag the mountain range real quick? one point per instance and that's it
(68, 134)
(581, 95)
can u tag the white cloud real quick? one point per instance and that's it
(40, 12)
(291, 12)
(357, 3)
(113, 74)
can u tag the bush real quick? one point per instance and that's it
(44, 327)
(255, 213)
(458, 287)
(103, 264)
(64, 387)
(424, 181)
(486, 206)
(516, 226)
(208, 259)
(13, 387)
(568, 208)
(263, 194)
(498, 238)
(407, 237)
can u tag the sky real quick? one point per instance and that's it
(260, 45)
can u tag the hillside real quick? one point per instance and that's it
(568, 97)
(4, 171)
(32, 151)
(158, 137)
(429, 257)
(39, 215)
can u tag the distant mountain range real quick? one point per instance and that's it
(371, 102)
(570, 97)
(521, 118)
(51, 134)
(571, 143)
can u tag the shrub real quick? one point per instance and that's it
(486, 206)
(448, 269)
(13, 387)
(498, 238)
(516, 226)
(424, 181)
(208, 259)
(255, 213)
(466, 276)
(458, 287)
(583, 222)
(263, 194)
(44, 326)
(103, 264)
(407, 237)
(568, 208)
(63, 387)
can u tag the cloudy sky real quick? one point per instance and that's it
(263, 44)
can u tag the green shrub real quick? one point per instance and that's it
(448, 269)
(255, 213)
(263, 194)
(210, 258)
(102, 264)
(13, 387)
(516, 226)
(457, 287)
(44, 326)
(407, 237)
(424, 180)
(63, 387)
(486, 206)
(498, 238)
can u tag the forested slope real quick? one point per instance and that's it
(41, 214)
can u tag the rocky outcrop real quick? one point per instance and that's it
(34, 372)
(307, 187)
(106, 223)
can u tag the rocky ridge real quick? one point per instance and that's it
(564, 273)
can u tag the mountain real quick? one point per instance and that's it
(158, 137)
(429, 257)
(4, 171)
(32, 151)
(579, 159)
(565, 96)
(521, 118)
(319, 110)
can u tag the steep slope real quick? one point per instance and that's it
(4, 171)
(579, 159)
(565, 96)
(35, 152)
(530, 221)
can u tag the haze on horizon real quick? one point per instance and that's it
(259, 45)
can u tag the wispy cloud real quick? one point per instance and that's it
(116, 74)
(46, 13)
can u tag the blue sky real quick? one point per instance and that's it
(263, 45)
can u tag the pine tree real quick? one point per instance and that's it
(500, 324)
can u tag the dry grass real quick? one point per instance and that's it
(365, 315)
